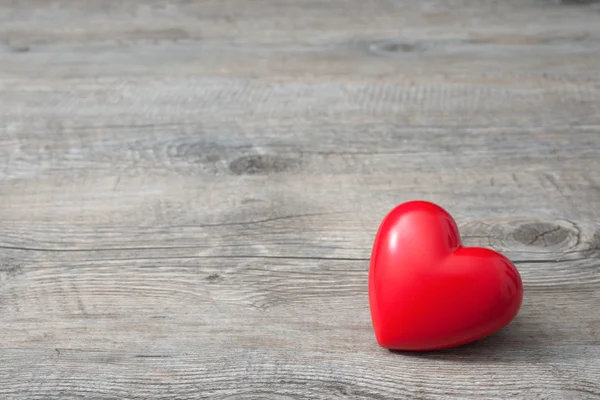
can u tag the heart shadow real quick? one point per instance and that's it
(522, 340)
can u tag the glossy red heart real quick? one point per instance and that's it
(427, 291)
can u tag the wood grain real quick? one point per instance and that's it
(190, 192)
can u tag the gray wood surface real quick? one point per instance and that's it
(190, 190)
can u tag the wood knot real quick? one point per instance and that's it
(212, 278)
(260, 164)
(398, 47)
(547, 236)
(19, 49)
(10, 268)
(541, 234)
(527, 238)
(393, 47)
(196, 152)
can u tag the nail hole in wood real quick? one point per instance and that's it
(260, 164)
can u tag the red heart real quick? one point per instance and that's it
(427, 291)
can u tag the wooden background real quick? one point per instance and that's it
(190, 190)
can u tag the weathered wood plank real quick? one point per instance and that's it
(190, 191)
(312, 375)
